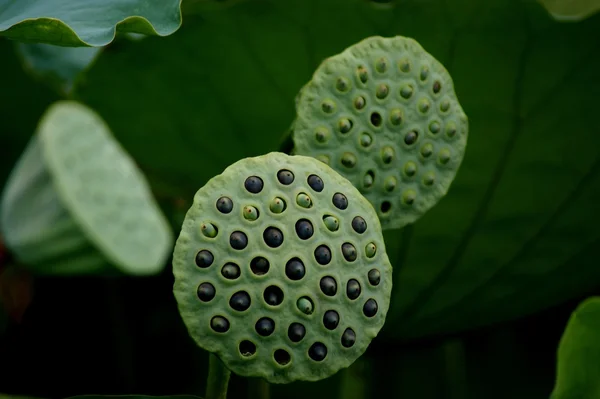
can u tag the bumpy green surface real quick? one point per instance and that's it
(271, 352)
(75, 186)
(384, 114)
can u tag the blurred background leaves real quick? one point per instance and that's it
(516, 234)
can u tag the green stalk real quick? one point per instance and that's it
(258, 388)
(356, 380)
(218, 379)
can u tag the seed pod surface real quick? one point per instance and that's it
(287, 319)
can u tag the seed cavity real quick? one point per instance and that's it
(434, 127)
(206, 292)
(304, 229)
(445, 106)
(328, 286)
(353, 289)
(328, 106)
(370, 308)
(424, 73)
(411, 137)
(451, 129)
(382, 91)
(362, 74)
(259, 266)
(406, 91)
(322, 255)
(429, 179)
(437, 86)
(342, 84)
(331, 319)
(254, 184)
(370, 250)
(317, 351)
(348, 338)
(368, 179)
(238, 240)
(224, 205)
(348, 160)
(204, 258)
(345, 125)
(273, 295)
(444, 156)
(376, 119)
(424, 105)
(410, 169)
(331, 223)
(322, 135)
(219, 324)
(240, 301)
(247, 348)
(323, 158)
(316, 183)
(390, 184)
(230, 271)
(296, 332)
(385, 206)
(285, 177)
(374, 277)
(427, 150)
(277, 205)
(340, 201)
(360, 102)
(282, 357)
(209, 230)
(408, 197)
(349, 252)
(250, 213)
(404, 65)
(387, 154)
(305, 305)
(294, 269)
(396, 117)
(264, 326)
(273, 237)
(381, 65)
(365, 140)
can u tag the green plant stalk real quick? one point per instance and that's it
(356, 380)
(218, 379)
(258, 388)
(455, 369)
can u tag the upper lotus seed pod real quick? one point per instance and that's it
(76, 202)
(401, 121)
(289, 295)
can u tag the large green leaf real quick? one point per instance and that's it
(516, 232)
(86, 22)
(578, 360)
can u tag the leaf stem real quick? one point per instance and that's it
(258, 388)
(356, 379)
(218, 379)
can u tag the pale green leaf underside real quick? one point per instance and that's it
(578, 360)
(86, 22)
(571, 10)
(522, 211)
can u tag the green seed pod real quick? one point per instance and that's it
(276, 298)
(407, 111)
(76, 203)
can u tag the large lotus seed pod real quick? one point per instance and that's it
(76, 200)
(384, 114)
(281, 270)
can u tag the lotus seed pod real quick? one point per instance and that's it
(398, 117)
(290, 295)
(75, 203)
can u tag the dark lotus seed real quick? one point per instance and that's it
(265, 326)
(254, 184)
(359, 224)
(411, 137)
(224, 205)
(273, 295)
(365, 140)
(382, 91)
(294, 269)
(328, 286)
(219, 324)
(331, 319)
(315, 183)
(285, 177)
(387, 154)
(282, 357)
(304, 229)
(348, 338)
(353, 289)
(204, 258)
(349, 252)
(340, 201)
(273, 237)
(437, 86)
(370, 308)
(238, 240)
(374, 277)
(230, 271)
(259, 265)
(386, 206)
(247, 348)
(359, 102)
(317, 351)
(206, 292)
(376, 119)
(240, 301)
(406, 92)
(323, 254)
(296, 332)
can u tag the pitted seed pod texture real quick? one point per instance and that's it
(295, 292)
(385, 115)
